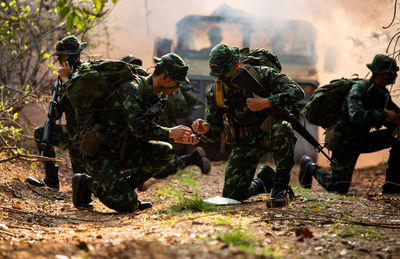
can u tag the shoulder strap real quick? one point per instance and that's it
(219, 94)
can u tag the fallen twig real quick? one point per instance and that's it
(49, 215)
(31, 158)
(321, 215)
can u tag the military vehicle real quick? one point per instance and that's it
(292, 40)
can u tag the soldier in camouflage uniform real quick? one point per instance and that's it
(243, 114)
(364, 108)
(128, 139)
(180, 104)
(63, 136)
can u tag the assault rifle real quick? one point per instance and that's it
(379, 99)
(243, 78)
(51, 119)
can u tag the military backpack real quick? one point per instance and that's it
(95, 80)
(259, 57)
(326, 104)
(181, 103)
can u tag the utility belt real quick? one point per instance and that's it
(233, 132)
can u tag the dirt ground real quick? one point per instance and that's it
(41, 223)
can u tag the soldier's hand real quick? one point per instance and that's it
(180, 133)
(392, 117)
(65, 71)
(200, 126)
(193, 140)
(257, 103)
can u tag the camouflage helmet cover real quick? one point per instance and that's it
(174, 67)
(383, 64)
(69, 45)
(222, 59)
(132, 60)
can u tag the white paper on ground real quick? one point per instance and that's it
(218, 200)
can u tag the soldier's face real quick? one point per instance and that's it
(386, 78)
(62, 58)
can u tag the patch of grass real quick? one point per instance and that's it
(244, 241)
(186, 178)
(240, 238)
(168, 192)
(194, 204)
(363, 232)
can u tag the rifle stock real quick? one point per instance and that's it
(50, 121)
(245, 79)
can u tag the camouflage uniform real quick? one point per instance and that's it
(180, 104)
(362, 110)
(128, 140)
(251, 142)
(63, 136)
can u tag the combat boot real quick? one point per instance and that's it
(390, 188)
(50, 180)
(307, 168)
(198, 157)
(81, 193)
(266, 175)
(279, 196)
(142, 205)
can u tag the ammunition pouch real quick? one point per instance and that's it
(90, 143)
(229, 129)
(267, 123)
(332, 137)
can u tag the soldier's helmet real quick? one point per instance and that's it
(132, 60)
(383, 64)
(222, 59)
(69, 45)
(174, 66)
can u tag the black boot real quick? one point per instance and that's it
(81, 193)
(279, 197)
(197, 157)
(306, 173)
(142, 205)
(390, 188)
(281, 192)
(51, 179)
(267, 175)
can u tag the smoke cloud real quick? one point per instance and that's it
(354, 28)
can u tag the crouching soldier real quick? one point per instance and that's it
(124, 136)
(367, 105)
(243, 115)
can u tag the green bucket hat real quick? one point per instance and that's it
(69, 45)
(132, 60)
(174, 66)
(383, 64)
(222, 59)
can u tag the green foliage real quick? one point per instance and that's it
(194, 204)
(360, 231)
(29, 30)
(243, 240)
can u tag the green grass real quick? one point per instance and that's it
(360, 231)
(244, 241)
(185, 178)
(194, 204)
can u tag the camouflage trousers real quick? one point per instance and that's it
(243, 160)
(347, 153)
(61, 137)
(110, 186)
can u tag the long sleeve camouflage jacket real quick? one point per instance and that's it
(364, 108)
(283, 91)
(126, 109)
